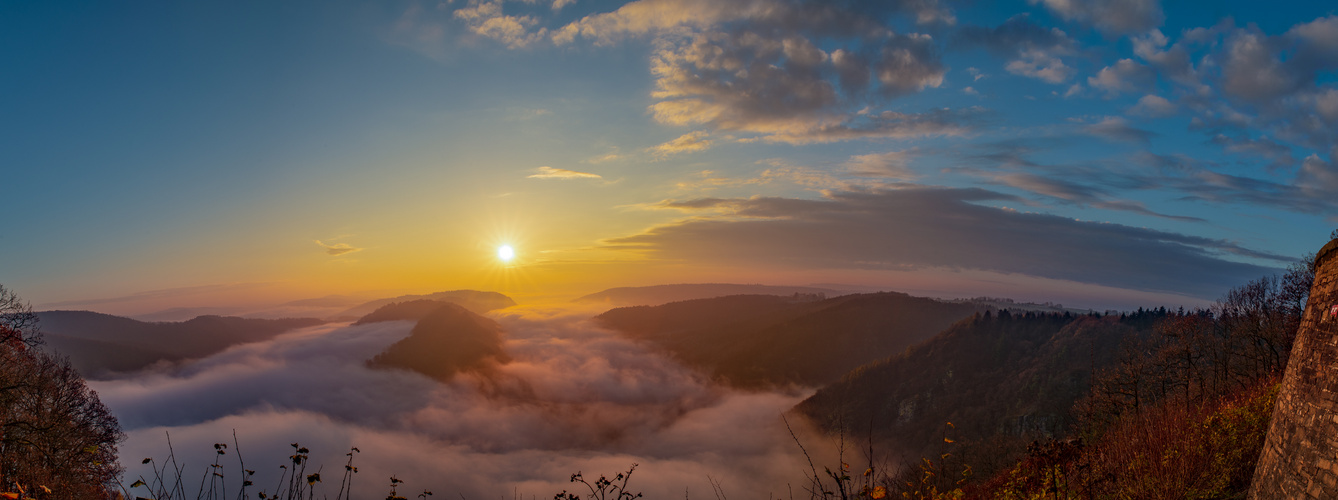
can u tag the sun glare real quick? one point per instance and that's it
(506, 253)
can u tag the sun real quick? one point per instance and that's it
(506, 253)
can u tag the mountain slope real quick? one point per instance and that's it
(473, 300)
(663, 294)
(1012, 375)
(413, 309)
(98, 344)
(449, 340)
(760, 340)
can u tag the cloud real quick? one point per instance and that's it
(1118, 129)
(859, 18)
(485, 18)
(560, 173)
(574, 398)
(784, 88)
(338, 248)
(1123, 76)
(1034, 50)
(781, 71)
(1081, 194)
(892, 164)
(1317, 176)
(1040, 64)
(416, 31)
(687, 143)
(1278, 155)
(1305, 193)
(917, 228)
(1153, 106)
(1116, 17)
(1103, 185)
(887, 124)
(1248, 82)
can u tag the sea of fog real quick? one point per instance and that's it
(575, 398)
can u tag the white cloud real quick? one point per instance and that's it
(338, 249)
(575, 398)
(686, 143)
(1040, 64)
(892, 164)
(485, 18)
(546, 172)
(1123, 76)
(1153, 106)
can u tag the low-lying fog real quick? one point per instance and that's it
(575, 398)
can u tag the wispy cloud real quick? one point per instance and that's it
(338, 249)
(686, 143)
(560, 173)
(1118, 129)
(925, 227)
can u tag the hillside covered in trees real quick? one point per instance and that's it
(767, 340)
(57, 440)
(1149, 404)
(99, 345)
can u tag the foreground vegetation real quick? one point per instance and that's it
(57, 440)
(1151, 404)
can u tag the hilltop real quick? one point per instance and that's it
(447, 340)
(765, 340)
(473, 300)
(663, 294)
(99, 345)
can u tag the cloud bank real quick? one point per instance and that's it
(924, 227)
(575, 398)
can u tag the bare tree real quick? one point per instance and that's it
(57, 440)
(18, 323)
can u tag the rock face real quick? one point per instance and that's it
(1300, 455)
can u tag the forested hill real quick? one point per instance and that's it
(663, 294)
(473, 300)
(99, 344)
(1001, 375)
(764, 340)
(447, 340)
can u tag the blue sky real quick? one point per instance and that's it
(1120, 151)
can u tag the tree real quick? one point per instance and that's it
(57, 440)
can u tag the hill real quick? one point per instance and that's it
(764, 340)
(997, 377)
(663, 294)
(449, 340)
(473, 300)
(99, 344)
(413, 309)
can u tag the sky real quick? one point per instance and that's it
(1099, 153)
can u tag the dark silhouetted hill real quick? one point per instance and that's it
(764, 340)
(992, 375)
(411, 310)
(98, 344)
(473, 300)
(664, 294)
(448, 340)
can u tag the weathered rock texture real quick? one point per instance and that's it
(1300, 455)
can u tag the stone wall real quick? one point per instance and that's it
(1300, 455)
